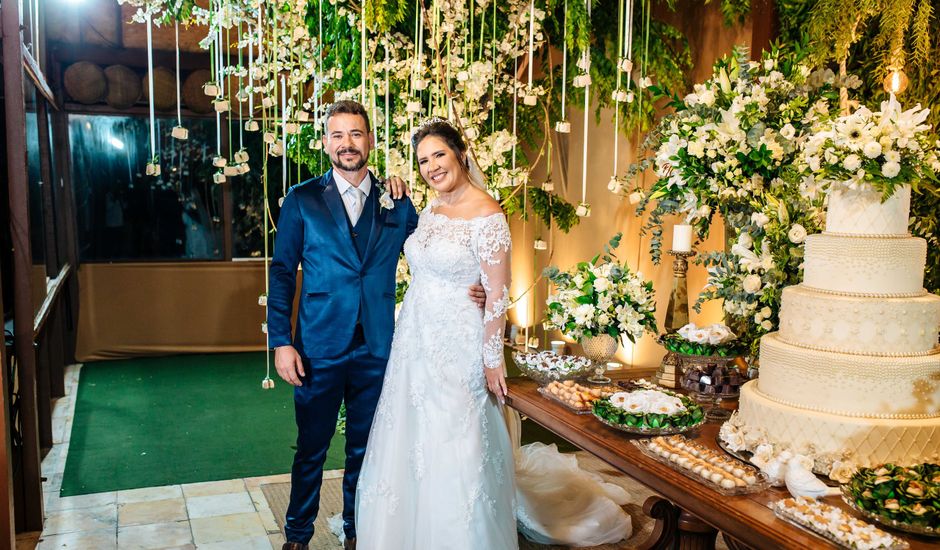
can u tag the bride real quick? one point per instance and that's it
(439, 466)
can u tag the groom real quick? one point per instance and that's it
(347, 239)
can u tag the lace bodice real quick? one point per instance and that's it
(456, 253)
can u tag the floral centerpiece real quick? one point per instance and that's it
(878, 150)
(727, 149)
(897, 493)
(712, 340)
(601, 298)
(651, 410)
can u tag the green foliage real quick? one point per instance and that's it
(546, 206)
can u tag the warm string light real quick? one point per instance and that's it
(896, 81)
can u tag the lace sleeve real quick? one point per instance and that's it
(493, 247)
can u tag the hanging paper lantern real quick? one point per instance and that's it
(211, 89)
(563, 127)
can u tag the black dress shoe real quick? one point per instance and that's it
(349, 544)
(294, 546)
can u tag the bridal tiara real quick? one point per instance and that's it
(428, 122)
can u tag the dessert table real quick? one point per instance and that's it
(689, 515)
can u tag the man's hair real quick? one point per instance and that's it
(347, 107)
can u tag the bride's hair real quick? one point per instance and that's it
(445, 131)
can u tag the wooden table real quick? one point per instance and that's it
(691, 514)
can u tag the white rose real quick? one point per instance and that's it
(890, 169)
(767, 325)
(601, 284)
(842, 471)
(745, 240)
(797, 233)
(760, 219)
(696, 149)
(752, 284)
(788, 131)
(766, 312)
(852, 162)
(603, 319)
(699, 336)
(872, 149)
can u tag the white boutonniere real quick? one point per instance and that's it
(385, 198)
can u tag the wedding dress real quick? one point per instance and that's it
(439, 470)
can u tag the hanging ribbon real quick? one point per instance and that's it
(178, 132)
(153, 167)
(563, 126)
(584, 208)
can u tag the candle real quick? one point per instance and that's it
(682, 238)
(558, 347)
(614, 366)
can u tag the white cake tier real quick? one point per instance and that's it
(865, 441)
(865, 265)
(849, 385)
(861, 212)
(853, 324)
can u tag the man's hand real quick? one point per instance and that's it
(478, 294)
(496, 383)
(289, 365)
(397, 188)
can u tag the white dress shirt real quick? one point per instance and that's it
(352, 199)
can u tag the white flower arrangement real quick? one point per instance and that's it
(601, 298)
(879, 149)
(648, 402)
(729, 149)
(714, 334)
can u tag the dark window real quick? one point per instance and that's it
(124, 214)
(248, 190)
(34, 174)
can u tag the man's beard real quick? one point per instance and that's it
(351, 167)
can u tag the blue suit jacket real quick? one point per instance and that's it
(313, 231)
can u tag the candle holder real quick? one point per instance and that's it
(677, 316)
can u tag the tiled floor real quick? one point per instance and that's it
(230, 515)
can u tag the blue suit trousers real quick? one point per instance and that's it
(355, 376)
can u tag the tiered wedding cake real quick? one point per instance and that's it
(853, 375)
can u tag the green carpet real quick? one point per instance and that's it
(149, 422)
(160, 421)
